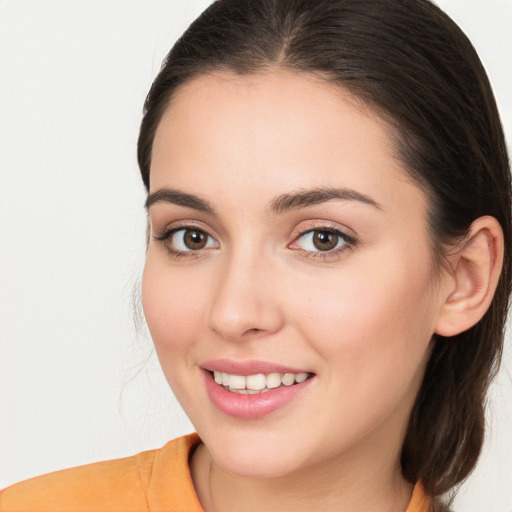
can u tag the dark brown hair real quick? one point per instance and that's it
(413, 64)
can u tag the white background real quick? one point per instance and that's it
(77, 383)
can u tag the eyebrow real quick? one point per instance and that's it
(310, 197)
(283, 203)
(169, 195)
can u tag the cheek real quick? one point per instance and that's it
(372, 325)
(372, 335)
(172, 306)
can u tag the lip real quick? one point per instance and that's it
(247, 367)
(250, 407)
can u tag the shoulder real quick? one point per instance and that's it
(420, 502)
(120, 484)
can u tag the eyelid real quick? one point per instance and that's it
(161, 234)
(322, 225)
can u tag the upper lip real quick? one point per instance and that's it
(250, 367)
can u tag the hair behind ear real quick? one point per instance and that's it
(443, 450)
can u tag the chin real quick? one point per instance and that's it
(256, 467)
(255, 459)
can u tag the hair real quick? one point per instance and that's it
(415, 67)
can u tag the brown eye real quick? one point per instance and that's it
(194, 239)
(189, 239)
(325, 240)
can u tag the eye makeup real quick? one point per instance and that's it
(314, 240)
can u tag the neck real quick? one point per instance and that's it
(354, 484)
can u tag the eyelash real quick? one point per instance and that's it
(166, 235)
(350, 241)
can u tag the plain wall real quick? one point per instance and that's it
(77, 384)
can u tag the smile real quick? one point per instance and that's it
(258, 392)
(258, 383)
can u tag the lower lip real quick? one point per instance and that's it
(251, 406)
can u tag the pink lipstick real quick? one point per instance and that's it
(252, 389)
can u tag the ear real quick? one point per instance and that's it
(475, 268)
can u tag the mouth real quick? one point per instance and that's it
(254, 390)
(258, 383)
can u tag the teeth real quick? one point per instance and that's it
(258, 383)
(273, 380)
(236, 382)
(288, 379)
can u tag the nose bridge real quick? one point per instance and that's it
(244, 302)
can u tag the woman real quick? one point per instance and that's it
(327, 272)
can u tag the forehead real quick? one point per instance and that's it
(281, 129)
(282, 104)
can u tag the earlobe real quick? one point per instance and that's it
(475, 270)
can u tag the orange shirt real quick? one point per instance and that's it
(152, 481)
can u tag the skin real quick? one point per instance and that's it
(360, 318)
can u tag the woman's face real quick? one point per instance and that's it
(287, 239)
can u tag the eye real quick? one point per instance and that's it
(320, 240)
(182, 242)
(190, 239)
(323, 241)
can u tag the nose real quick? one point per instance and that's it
(245, 303)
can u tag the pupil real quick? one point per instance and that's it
(325, 241)
(195, 240)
